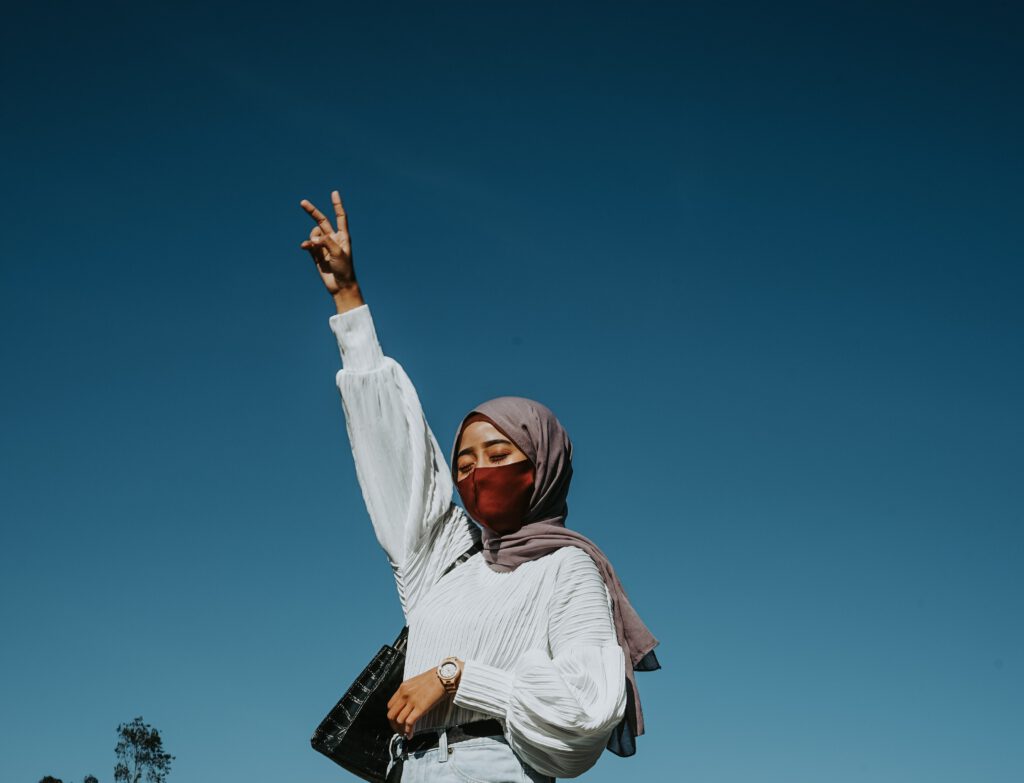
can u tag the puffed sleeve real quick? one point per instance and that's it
(559, 705)
(404, 478)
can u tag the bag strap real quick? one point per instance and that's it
(403, 635)
(478, 546)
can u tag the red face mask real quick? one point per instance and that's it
(499, 496)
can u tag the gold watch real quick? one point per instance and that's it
(448, 672)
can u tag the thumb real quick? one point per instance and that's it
(317, 255)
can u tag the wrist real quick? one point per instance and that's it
(449, 672)
(348, 298)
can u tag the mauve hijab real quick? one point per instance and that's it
(541, 437)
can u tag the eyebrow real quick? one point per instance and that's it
(486, 444)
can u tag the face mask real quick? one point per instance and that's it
(498, 497)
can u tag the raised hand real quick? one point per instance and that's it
(332, 252)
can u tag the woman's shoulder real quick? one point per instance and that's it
(576, 562)
(564, 555)
(572, 552)
(565, 564)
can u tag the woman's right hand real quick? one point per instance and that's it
(332, 252)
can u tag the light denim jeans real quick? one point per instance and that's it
(474, 760)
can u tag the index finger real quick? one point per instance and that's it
(318, 216)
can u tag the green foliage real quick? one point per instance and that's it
(140, 754)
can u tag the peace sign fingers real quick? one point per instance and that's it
(325, 226)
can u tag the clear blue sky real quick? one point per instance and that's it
(763, 261)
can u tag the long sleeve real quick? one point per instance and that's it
(561, 704)
(403, 475)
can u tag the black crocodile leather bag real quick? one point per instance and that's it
(356, 732)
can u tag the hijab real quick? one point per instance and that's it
(540, 436)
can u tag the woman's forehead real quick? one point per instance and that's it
(480, 431)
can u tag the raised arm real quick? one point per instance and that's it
(402, 472)
(405, 483)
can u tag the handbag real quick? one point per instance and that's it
(356, 733)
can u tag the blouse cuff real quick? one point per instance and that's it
(484, 688)
(357, 339)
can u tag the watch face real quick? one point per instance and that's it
(449, 669)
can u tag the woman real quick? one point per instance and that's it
(520, 660)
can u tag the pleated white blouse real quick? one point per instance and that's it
(539, 644)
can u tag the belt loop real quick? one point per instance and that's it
(442, 745)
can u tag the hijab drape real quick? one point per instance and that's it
(540, 436)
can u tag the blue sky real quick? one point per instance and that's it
(763, 262)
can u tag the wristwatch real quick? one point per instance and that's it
(448, 672)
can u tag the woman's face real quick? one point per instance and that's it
(483, 445)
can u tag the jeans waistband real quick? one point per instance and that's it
(401, 747)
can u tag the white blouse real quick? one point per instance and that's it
(538, 643)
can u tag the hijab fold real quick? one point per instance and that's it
(540, 436)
